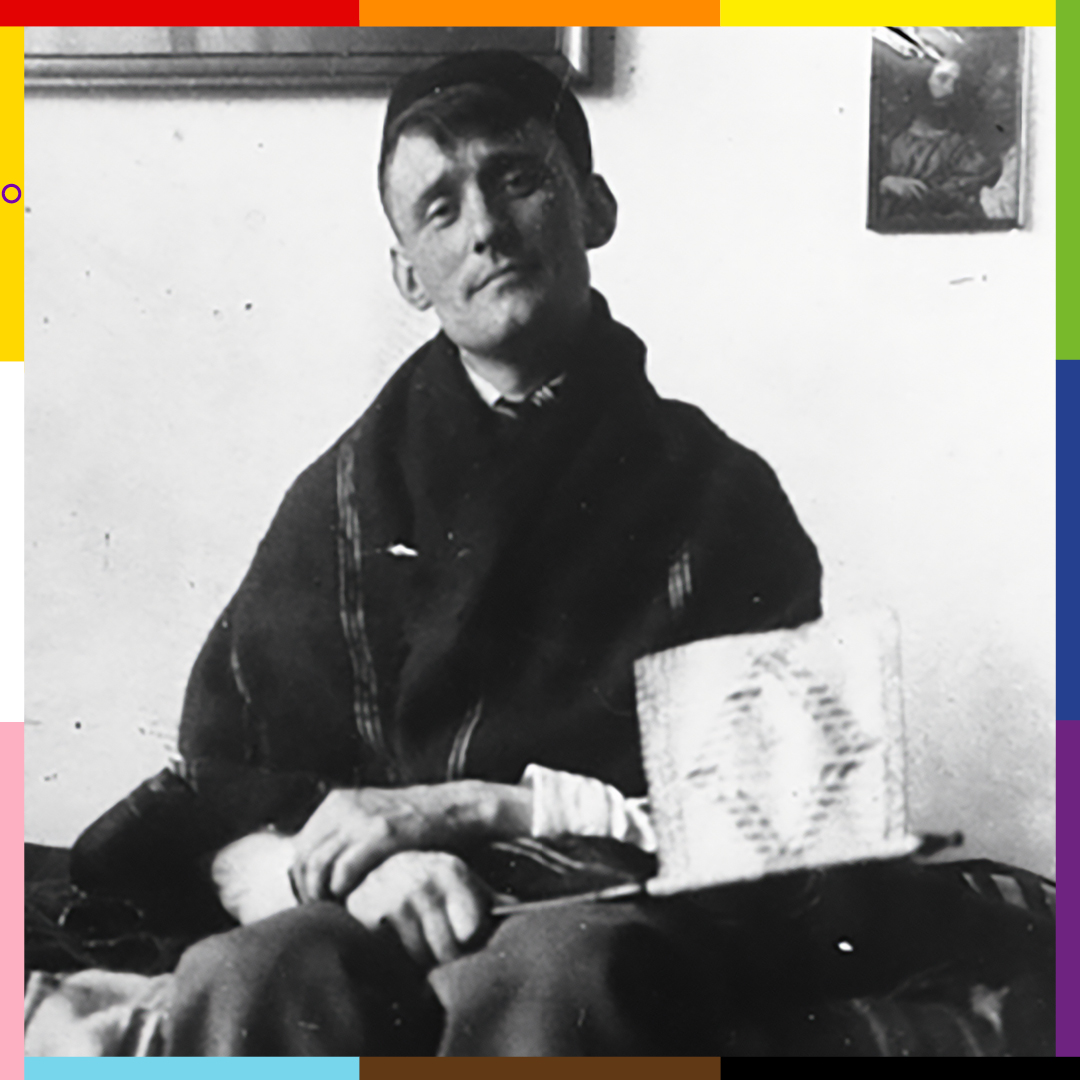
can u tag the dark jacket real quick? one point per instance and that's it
(450, 593)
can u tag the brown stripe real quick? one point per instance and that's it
(568, 1068)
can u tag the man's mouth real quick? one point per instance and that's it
(509, 270)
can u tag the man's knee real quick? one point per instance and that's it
(609, 979)
(575, 943)
(292, 941)
(610, 941)
(311, 981)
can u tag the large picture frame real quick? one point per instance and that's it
(948, 138)
(274, 58)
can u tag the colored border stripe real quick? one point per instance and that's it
(12, 209)
(1068, 939)
(862, 13)
(1068, 162)
(1068, 703)
(556, 13)
(734, 13)
(1068, 540)
(368, 1069)
(11, 496)
(1068, 534)
(11, 897)
(196, 13)
(182, 1068)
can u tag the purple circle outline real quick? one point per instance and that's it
(3, 194)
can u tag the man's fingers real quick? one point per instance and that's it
(313, 873)
(407, 924)
(426, 893)
(372, 908)
(350, 867)
(319, 827)
(429, 906)
(467, 911)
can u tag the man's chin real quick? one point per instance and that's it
(512, 320)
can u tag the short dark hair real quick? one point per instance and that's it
(462, 112)
(484, 93)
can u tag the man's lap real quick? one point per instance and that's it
(629, 978)
(309, 981)
(576, 980)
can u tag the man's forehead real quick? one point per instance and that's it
(487, 86)
(420, 158)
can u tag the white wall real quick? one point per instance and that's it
(902, 386)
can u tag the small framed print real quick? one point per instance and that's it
(947, 138)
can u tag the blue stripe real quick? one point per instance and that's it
(192, 1068)
(1068, 539)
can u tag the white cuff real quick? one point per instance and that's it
(252, 876)
(568, 803)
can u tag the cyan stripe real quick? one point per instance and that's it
(192, 1068)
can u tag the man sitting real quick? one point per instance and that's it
(429, 665)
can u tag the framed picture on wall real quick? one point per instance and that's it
(947, 133)
(230, 58)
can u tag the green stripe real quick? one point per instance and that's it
(1068, 180)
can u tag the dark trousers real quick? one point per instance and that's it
(576, 981)
(765, 968)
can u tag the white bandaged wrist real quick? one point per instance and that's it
(568, 803)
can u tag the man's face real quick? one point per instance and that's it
(493, 234)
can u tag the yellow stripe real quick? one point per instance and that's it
(718, 13)
(902, 13)
(11, 177)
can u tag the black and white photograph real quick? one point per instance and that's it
(528, 553)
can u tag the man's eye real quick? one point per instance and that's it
(520, 182)
(439, 212)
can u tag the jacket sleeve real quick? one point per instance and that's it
(156, 844)
(748, 566)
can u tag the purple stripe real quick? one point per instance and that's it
(1068, 931)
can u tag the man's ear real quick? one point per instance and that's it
(406, 280)
(601, 212)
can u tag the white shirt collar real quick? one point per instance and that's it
(488, 392)
(492, 395)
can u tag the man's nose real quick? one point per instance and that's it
(488, 221)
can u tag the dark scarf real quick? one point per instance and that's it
(447, 592)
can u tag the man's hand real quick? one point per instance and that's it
(354, 830)
(431, 899)
(904, 187)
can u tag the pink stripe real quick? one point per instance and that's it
(11, 897)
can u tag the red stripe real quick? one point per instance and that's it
(182, 13)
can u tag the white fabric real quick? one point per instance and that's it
(567, 803)
(252, 876)
(489, 393)
(96, 1014)
(493, 396)
(1003, 199)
